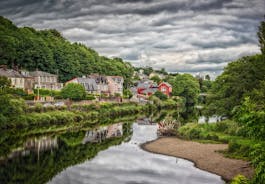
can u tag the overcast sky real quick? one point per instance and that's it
(178, 35)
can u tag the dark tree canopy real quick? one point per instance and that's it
(261, 35)
(48, 51)
(240, 78)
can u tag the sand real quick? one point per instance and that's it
(205, 156)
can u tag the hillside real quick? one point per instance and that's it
(47, 50)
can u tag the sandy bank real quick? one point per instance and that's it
(204, 156)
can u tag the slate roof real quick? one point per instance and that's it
(88, 83)
(41, 73)
(10, 73)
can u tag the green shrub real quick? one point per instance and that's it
(240, 179)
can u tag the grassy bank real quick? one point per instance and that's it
(239, 146)
(77, 114)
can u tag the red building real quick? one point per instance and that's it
(165, 88)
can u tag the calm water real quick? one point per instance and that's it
(127, 163)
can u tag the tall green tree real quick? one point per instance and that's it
(49, 51)
(238, 80)
(261, 36)
(186, 86)
(74, 91)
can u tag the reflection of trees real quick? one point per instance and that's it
(71, 151)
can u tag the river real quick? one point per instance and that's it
(128, 163)
(107, 154)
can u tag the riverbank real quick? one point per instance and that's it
(205, 156)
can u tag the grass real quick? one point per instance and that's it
(239, 147)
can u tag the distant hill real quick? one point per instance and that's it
(48, 50)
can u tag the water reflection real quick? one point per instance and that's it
(41, 158)
(35, 145)
(128, 163)
(102, 133)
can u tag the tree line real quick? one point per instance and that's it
(47, 50)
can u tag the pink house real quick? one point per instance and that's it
(115, 84)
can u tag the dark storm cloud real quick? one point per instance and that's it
(181, 36)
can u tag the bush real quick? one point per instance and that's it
(160, 95)
(240, 179)
(74, 91)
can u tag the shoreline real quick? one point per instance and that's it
(198, 153)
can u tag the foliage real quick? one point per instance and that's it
(185, 86)
(73, 91)
(240, 78)
(48, 51)
(156, 79)
(160, 95)
(240, 179)
(252, 117)
(127, 93)
(10, 106)
(261, 36)
(41, 167)
(90, 97)
(4, 83)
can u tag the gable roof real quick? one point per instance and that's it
(88, 83)
(10, 73)
(42, 74)
(166, 83)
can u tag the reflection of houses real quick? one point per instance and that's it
(98, 135)
(36, 146)
(145, 121)
(88, 83)
(45, 80)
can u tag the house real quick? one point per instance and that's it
(165, 88)
(45, 80)
(89, 84)
(146, 87)
(115, 84)
(101, 82)
(16, 78)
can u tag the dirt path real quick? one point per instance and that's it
(204, 156)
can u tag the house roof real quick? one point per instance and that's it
(42, 74)
(150, 90)
(99, 78)
(166, 83)
(10, 73)
(88, 83)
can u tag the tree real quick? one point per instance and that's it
(127, 93)
(261, 36)
(160, 95)
(4, 83)
(74, 91)
(207, 77)
(238, 80)
(49, 51)
(11, 107)
(185, 86)
(156, 79)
